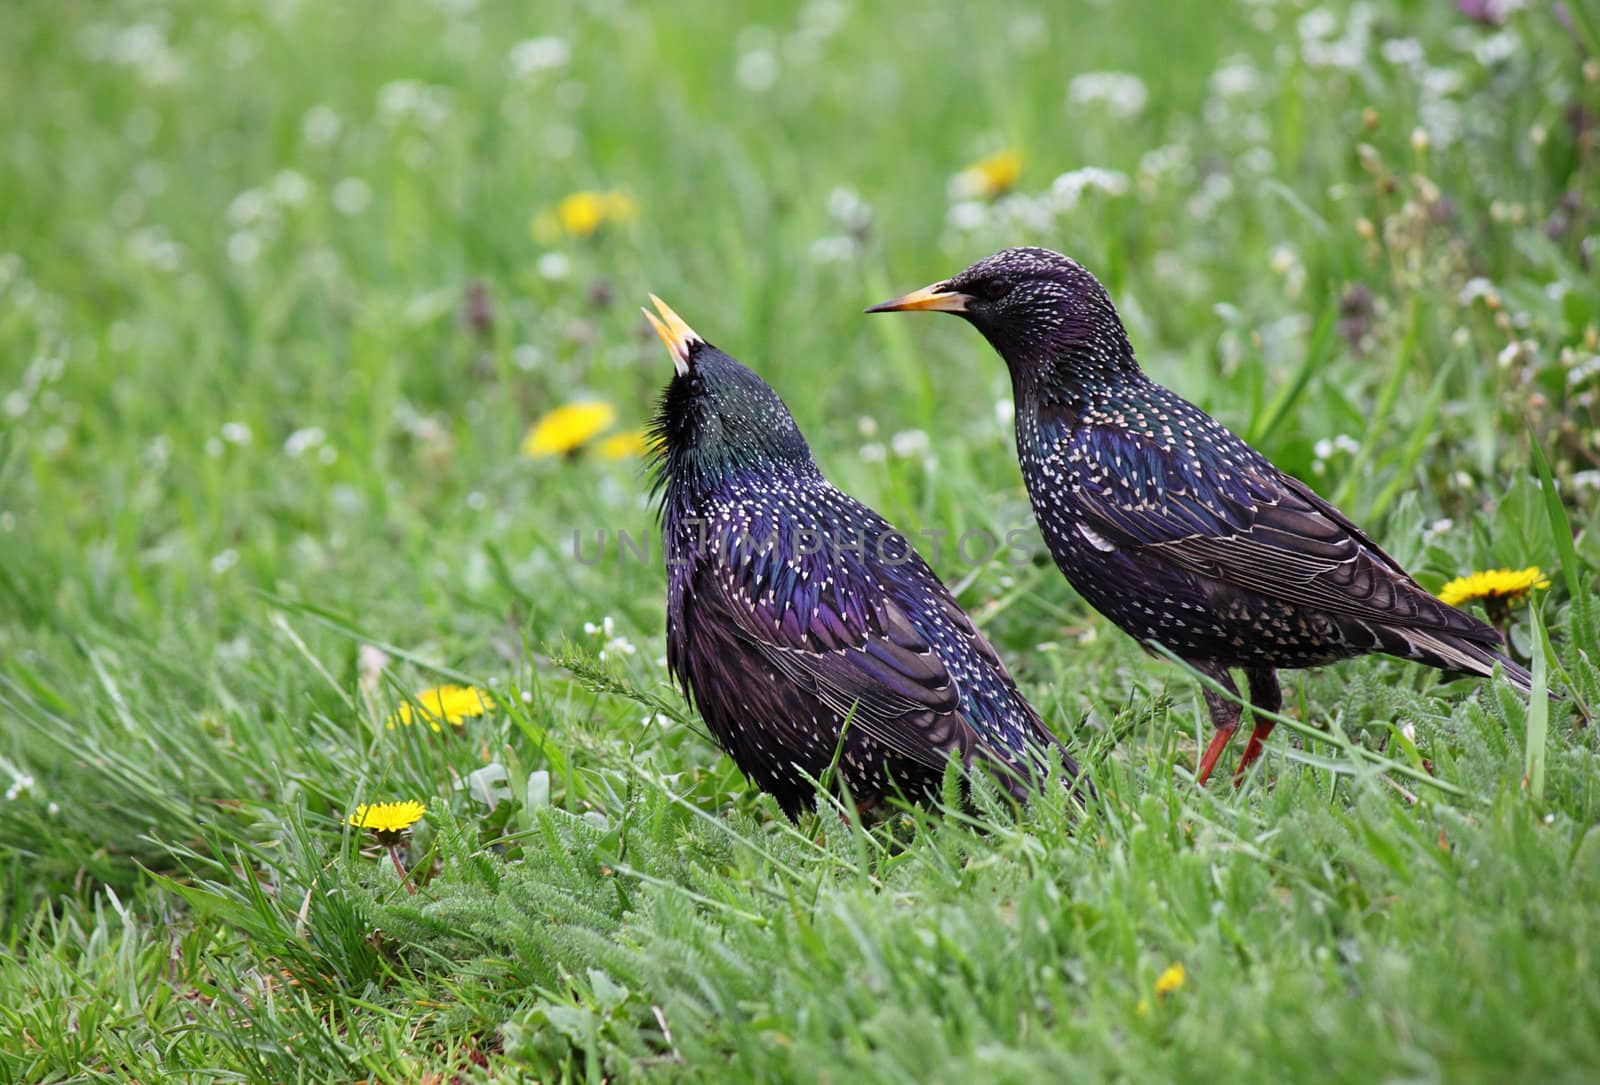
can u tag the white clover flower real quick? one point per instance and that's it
(236, 433)
(248, 207)
(967, 215)
(757, 70)
(302, 441)
(1120, 94)
(21, 784)
(848, 209)
(538, 55)
(243, 247)
(1237, 78)
(320, 126)
(290, 188)
(554, 265)
(834, 250)
(1067, 190)
(352, 196)
(909, 443)
(1402, 52)
(1437, 530)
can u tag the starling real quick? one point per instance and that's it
(805, 629)
(1173, 527)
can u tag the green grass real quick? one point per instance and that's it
(191, 704)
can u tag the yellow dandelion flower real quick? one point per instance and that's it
(388, 819)
(1494, 585)
(568, 428)
(450, 704)
(990, 177)
(1142, 1007)
(582, 214)
(626, 446)
(1170, 979)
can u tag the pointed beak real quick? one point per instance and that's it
(678, 336)
(939, 297)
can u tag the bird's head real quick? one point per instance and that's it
(716, 417)
(1043, 312)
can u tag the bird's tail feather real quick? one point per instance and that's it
(1452, 653)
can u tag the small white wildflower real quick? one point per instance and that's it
(1437, 530)
(757, 70)
(538, 55)
(248, 207)
(320, 126)
(1316, 25)
(21, 784)
(1347, 444)
(290, 188)
(874, 453)
(1237, 78)
(909, 443)
(1475, 288)
(303, 440)
(1005, 411)
(222, 562)
(1583, 367)
(1402, 52)
(1119, 93)
(236, 433)
(833, 250)
(619, 644)
(1496, 47)
(526, 357)
(867, 426)
(1068, 189)
(370, 662)
(554, 265)
(243, 247)
(352, 196)
(967, 215)
(848, 209)
(1323, 449)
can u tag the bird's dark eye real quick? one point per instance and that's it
(994, 289)
(696, 385)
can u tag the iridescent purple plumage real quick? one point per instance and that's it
(1173, 527)
(800, 624)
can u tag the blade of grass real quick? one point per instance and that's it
(1317, 352)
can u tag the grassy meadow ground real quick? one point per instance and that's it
(282, 289)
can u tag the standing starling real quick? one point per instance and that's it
(800, 623)
(1173, 527)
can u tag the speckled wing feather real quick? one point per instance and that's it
(869, 663)
(1239, 520)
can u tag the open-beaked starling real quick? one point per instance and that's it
(1173, 527)
(804, 629)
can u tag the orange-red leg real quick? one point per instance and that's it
(1219, 742)
(1266, 695)
(1224, 717)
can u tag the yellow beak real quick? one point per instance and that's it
(677, 335)
(939, 298)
